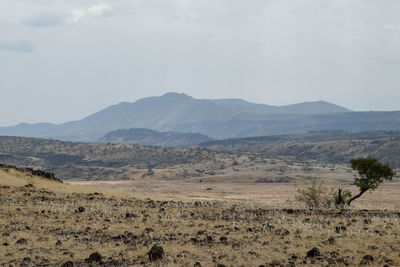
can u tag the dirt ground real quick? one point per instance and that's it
(177, 223)
(277, 195)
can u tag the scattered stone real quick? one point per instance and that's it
(129, 215)
(314, 252)
(68, 264)
(80, 209)
(367, 259)
(156, 253)
(94, 257)
(21, 241)
(223, 239)
(340, 229)
(197, 264)
(289, 211)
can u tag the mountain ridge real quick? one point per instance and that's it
(218, 118)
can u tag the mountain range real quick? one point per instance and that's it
(221, 118)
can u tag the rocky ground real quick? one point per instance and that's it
(48, 224)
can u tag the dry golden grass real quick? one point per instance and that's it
(232, 233)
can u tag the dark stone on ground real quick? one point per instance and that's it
(21, 241)
(68, 264)
(367, 259)
(156, 253)
(314, 252)
(94, 257)
(81, 209)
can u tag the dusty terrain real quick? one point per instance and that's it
(47, 223)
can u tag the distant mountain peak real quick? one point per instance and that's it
(176, 95)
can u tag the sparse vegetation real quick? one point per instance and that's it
(370, 174)
(54, 224)
(314, 195)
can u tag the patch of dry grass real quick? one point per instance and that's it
(123, 230)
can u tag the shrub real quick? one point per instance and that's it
(313, 195)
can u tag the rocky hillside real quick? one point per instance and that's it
(148, 137)
(325, 146)
(93, 161)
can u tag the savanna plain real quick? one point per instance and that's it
(241, 216)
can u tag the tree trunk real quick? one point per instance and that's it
(339, 201)
(356, 196)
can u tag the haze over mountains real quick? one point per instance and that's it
(222, 118)
(148, 137)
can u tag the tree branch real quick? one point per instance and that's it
(356, 196)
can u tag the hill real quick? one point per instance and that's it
(249, 159)
(69, 160)
(182, 113)
(322, 146)
(142, 136)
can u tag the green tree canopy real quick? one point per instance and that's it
(370, 174)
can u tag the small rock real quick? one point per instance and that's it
(129, 215)
(289, 211)
(314, 252)
(156, 253)
(94, 257)
(68, 264)
(367, 259)
(81, 209)
(197, 264)
(21, 241)
(340, 229)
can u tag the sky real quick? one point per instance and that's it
(61, 60)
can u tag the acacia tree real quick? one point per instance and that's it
(370, 174)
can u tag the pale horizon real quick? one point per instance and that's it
(63, 60)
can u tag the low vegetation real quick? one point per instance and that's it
(47, 223)
(370, 174)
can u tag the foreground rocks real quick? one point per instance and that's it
(43, 228)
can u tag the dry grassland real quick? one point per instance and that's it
(41, 225)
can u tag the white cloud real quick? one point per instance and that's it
(100, 10)
(76, 15)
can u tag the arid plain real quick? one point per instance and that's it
(207, 223)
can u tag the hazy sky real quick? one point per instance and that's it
(61, 60)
